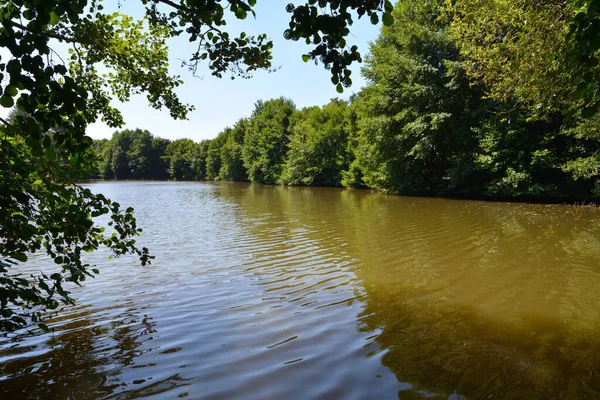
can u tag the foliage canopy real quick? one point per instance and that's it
(541, 53)
(424, 125)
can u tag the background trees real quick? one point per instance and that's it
(318, 148)
(186, 159)
(542, 54)
(232, 163)
(131, 154)
(415, 118)
(427, 123)
(213, 158)
(266, 140)
(425, 126)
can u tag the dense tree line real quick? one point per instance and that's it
(424, 125)
(276, 144)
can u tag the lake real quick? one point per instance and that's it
(266, 292)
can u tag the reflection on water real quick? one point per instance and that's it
(85, 355)
(270, 292)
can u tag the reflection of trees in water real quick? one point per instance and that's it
(442, 336)
(447, 349)
(489, 300)
(84, 358)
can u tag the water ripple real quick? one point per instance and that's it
(262, 292)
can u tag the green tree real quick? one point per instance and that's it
(199, 160)
(543, 54)
(45, 150)
(120, 161)
(415, 117)
(213, 157)
(267, 137)
(187, 159)
(160, 166)
(141, 155)
(318, 149)
(539, 60)
(518, 158)
(41, 207)
(101, 148)
(178, 154)
(424, 128)
(232, 163)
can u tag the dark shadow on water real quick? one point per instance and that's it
(445, 350)
(83, 359)
(473, 299)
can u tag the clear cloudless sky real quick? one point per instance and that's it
(221, 102)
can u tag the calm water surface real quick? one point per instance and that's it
(262, 292)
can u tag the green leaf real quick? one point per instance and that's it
(388, 20)
(54, 18)
(19, 256)
(36, 151)
(339, 88)
(13, 66)
(305, 57)
(240, 13)
(51, 154)
(7, 101)
(11, 90)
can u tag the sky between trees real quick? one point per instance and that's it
(221, 102)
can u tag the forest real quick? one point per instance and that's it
(440, 116)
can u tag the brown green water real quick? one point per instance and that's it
(262, 292)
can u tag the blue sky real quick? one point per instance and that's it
(221, 102)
